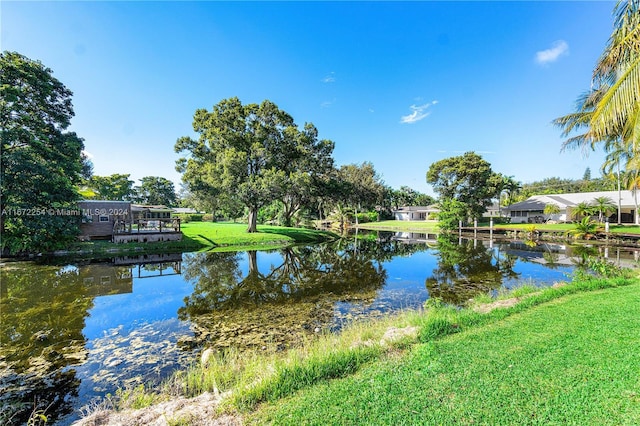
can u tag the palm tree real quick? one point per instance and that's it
(603, 205)
(551, 209)
(631, 180)
(618, 72)
(511, 186)
(585, 229)
(610, 112)
(582, 210)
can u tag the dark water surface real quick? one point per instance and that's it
(73, 332)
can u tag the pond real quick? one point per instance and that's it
(74, 331)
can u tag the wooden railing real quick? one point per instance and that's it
(137, 226)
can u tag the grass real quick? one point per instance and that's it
(570, 361)
(401, 225)
(422, 226)
(208, 236)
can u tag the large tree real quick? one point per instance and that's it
(362, 187)
(467, 179)
(307, 170)
(156, 190)
(41, 163)
(115, 187)
(253, 153)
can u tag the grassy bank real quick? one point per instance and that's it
(400, 225)
(211, 235)
(206, 236)
(571, 361)
(568, 361)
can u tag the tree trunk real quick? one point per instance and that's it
(253, 261)
(253, 220)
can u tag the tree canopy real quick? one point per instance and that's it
(41, 163)
(251, 153)
(156, 190)
(467, 179)
(115, 187)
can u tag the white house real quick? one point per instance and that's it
(415, 212)
(531, 210)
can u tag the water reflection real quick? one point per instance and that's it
(466, 269)
(281, 304)
(74, 331)
(44, 310)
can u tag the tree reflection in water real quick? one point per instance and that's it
(282, 306)
(42, 314)
(467, 269)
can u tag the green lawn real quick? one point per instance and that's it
(570, 361)
(401, 225)
(421, 226)
(210, 234)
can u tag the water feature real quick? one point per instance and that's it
(77, 330)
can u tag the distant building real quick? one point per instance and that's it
(430, 212)
(185, 210)
(416, 212)
(531, 210)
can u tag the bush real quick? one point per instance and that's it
(367, 217)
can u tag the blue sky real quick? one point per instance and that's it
(400, 84)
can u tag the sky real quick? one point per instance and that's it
(399, 84)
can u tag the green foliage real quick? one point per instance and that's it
(551, 209)
(406, 196)
(41, 163)
(156, 190)
(451, 213)
(557, 185)
(253, 154)
(365, 217)
(585, 229)
(361, 188)
(603, 206)
(116, 187)
(467, 179)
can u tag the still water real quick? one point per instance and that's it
(74, 331)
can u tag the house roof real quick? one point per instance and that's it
(151, 208)
(538, 202)
(431, 208)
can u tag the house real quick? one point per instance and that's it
(531, 210)
(416, 212)
(430, 212)
(99, 217)
(142, 211)
(121, 221)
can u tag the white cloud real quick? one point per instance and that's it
(418, 113)
(330, 78)
(327, 104)
(558, 48)
(87, 154)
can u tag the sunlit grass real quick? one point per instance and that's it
(401, 225)
(210, 234)
(571, 361)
